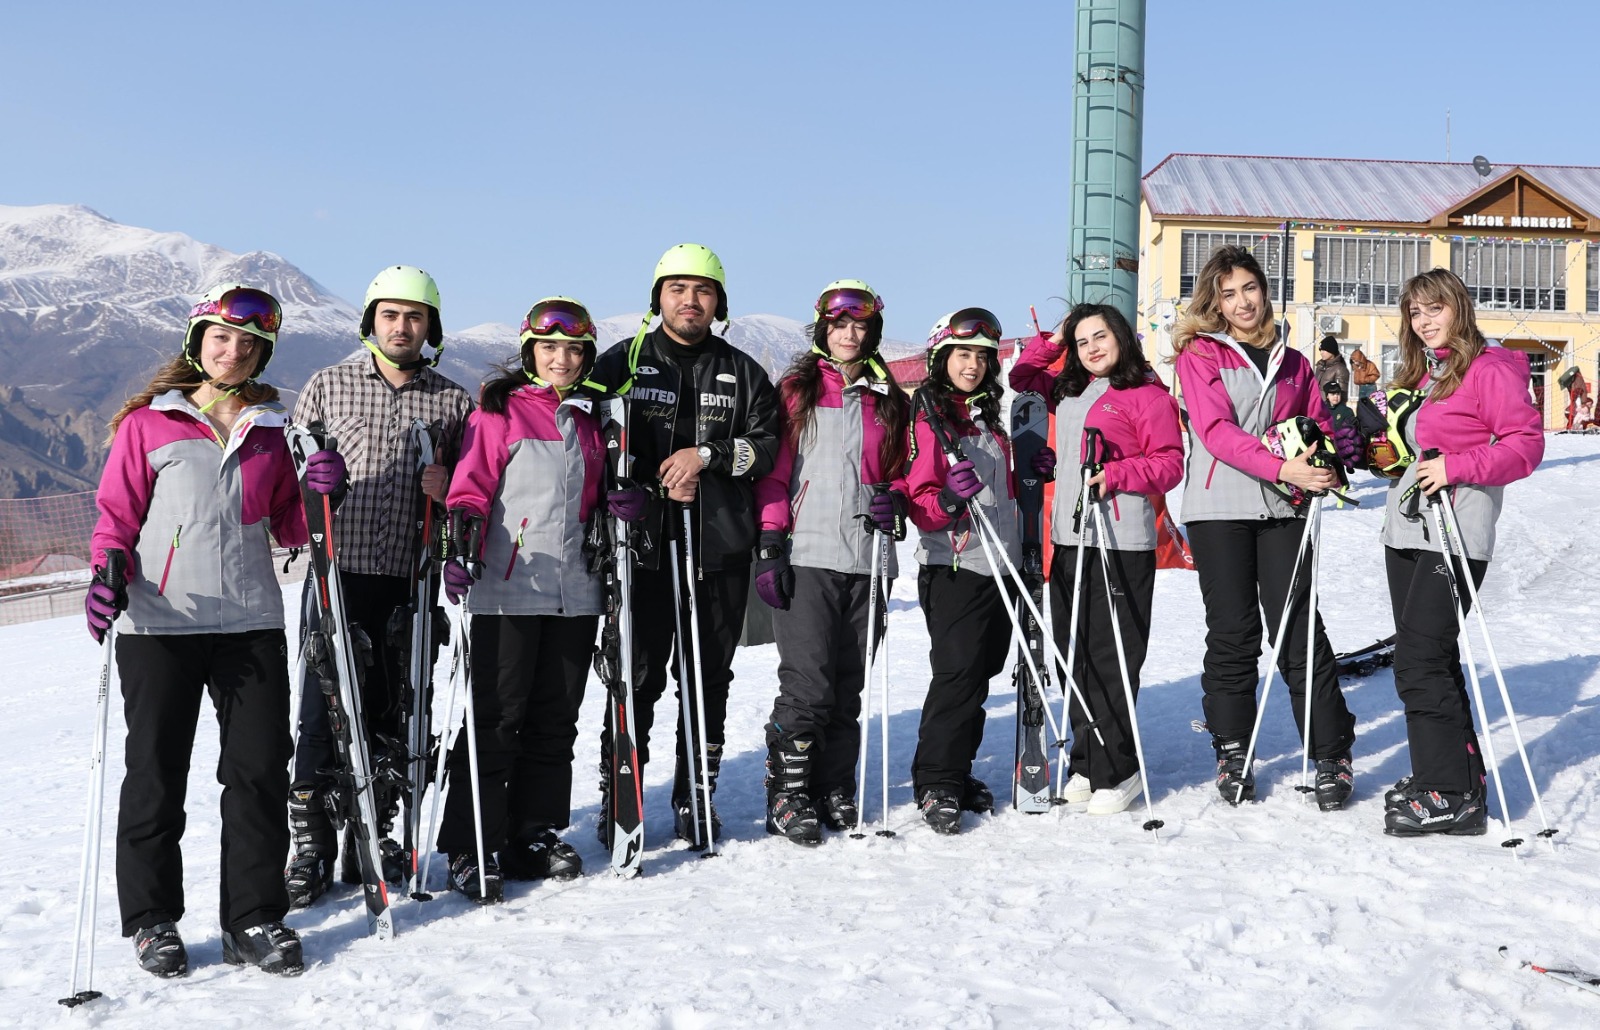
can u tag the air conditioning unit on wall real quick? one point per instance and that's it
(1330, 325)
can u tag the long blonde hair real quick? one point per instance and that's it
(1464, 339)
(1204, 316)
(178, 374)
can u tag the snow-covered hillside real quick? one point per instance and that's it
(1269, 915)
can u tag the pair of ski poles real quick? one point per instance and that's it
(877, 579)
(694, 744)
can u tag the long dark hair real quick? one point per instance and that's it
(950, 402)
(1131, 369)
(511, 376)
(801, 384)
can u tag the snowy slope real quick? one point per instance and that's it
(1270, 915)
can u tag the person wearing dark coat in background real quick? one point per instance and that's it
(1340, 412)
(1331, 367)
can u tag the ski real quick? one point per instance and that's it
(1367, 660)
(331, 651)
(622, 800)
(1579, 978)
(427, 623)
(1030, 433)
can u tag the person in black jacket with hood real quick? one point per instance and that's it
(703, 426)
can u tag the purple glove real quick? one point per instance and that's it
(774, 577)
(961, 484)
(886, 513)
(101, 606)
(1044, 463)
(1348, 444)
(325, 471)
(457, 581)
(627, 505)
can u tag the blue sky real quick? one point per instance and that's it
(517, 150)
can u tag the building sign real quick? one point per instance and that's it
(1518, 221)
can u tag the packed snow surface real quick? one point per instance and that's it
(1268, 915)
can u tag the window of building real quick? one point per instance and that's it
(1366, 269)
(1388, 363)
(1592, 302)
(1522, 275)
(1267, 249)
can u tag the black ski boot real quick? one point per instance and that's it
(838, 810)
(465, 881)
(544, 856)
(1395, 796)
(790, 810)
(1234, 782)
(310, 871)
(941, 809)
(683, 809)
(1438, 811)
(976, 795)
(161, 950)
(271, 947)
(1335, 782)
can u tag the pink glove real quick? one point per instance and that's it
(325, 471)
(457, 581)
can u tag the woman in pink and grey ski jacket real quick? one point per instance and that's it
(1238, 377)
(1106, 392)
(1477, 415)
(837, 484)
(198, 484)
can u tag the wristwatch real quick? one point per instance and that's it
(705, 455)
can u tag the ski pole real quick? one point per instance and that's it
(703, 786)
(884, 544)
(1151, 822)
(1311, 639)
(683, 685)
(1272, 663)
(472, 753)
(1010, 605)
(421, 894)
(1072, 627)
(1494, 665)
(866, 693)
(112, 574)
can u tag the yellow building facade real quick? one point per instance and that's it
(1340, 237)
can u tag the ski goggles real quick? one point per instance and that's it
(241, 307)
(848, 301)
(558, 318)
(968, 324)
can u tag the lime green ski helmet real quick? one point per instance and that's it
(404, 282)
(240, 306)
(691, 259)
(969, 327)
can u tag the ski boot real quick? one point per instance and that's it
(465, 881)
(1395, 796)
(683, 808)
(790, 810)
(1438, 811)
(976, 795)
(838, 810)
(1335, 782)
(271, 947)
(161, 950)
(941, 809)
(310, 871)
(1234, 782)
(544, 856)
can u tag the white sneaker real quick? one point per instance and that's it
(1077, 790)
(1111, 800)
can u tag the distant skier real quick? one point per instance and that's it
(839, 476)
(1476, 412)
(368, 403)
(198, 472)
(703, 426)
(1106, 386)
(532, 470)
(959, 589)
(1238, 378)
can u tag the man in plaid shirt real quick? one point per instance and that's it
(367, 403)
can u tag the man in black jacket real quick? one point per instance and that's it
(703, 427)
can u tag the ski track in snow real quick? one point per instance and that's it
(1272, 914)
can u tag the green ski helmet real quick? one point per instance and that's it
(691, 259)
(969, 327)
(242, 307)
(407, 283)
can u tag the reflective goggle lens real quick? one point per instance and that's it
(857, 304)
(964, 325)
(558, 317)
(241, 307)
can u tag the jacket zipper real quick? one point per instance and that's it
(515, 547)
(172, 549)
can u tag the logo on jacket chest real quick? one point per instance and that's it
(651, 394)
(715, 400)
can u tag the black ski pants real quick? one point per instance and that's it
(528, 674)
(822, 647)
(163, 679)
(1095, 665)
(1427, 669)
(970, 637)
(659, 631)
(1244, 567)
(370, 602)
